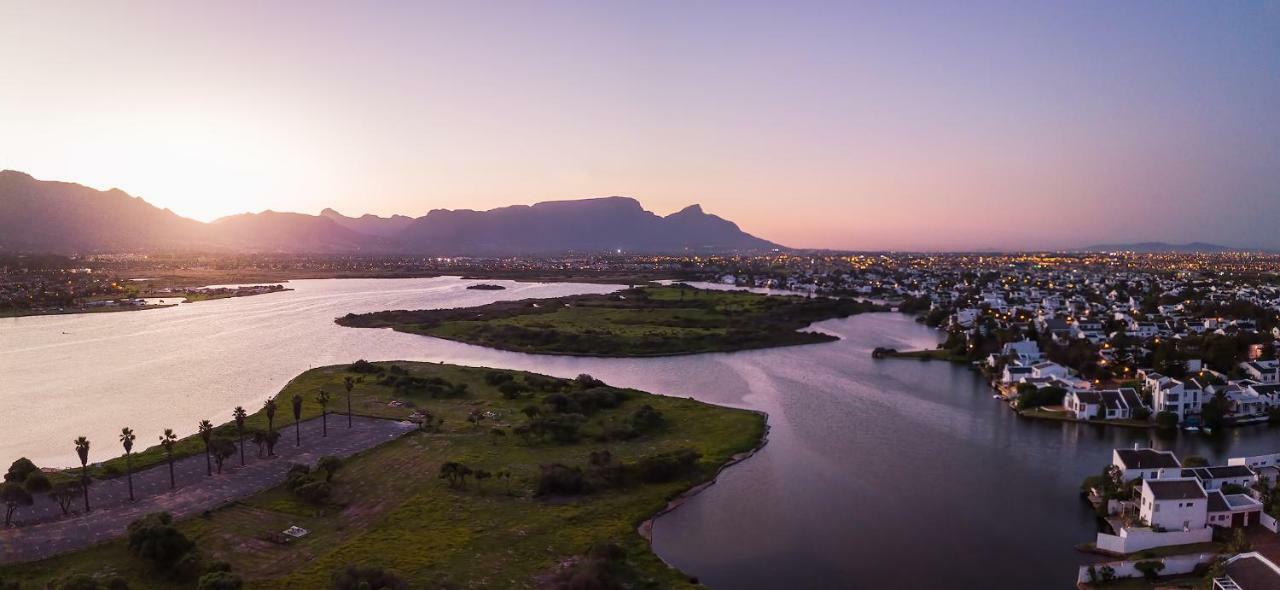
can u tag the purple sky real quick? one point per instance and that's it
(947, 125)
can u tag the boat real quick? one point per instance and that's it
(1191, 428)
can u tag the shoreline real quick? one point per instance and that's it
(645, 528)
(186, 298)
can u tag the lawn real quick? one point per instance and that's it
(390, 508)
(645, 321)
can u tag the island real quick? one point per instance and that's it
(549, 479)
(486, 287)
(638, 322)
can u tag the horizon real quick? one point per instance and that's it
(867, 128)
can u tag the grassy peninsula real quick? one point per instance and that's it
(644, 321)
(515, 480)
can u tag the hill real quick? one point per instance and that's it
(39, 216)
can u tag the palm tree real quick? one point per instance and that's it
(206, 434)
(239, 414)
(350, 384)
(167, 440)
(270, 408)
(297, 417)
(322, 398)
(126, 439)
(82, 449)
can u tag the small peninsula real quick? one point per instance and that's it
(639, 322)
(549, 476)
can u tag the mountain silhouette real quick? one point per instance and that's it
(66, 218)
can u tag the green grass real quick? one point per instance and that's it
(646, 321)
(390, 509)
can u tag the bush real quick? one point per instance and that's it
(219, 581)
(586, 381)
(153, 537)
(354, 577)
(1166, 420)
(646, 419)
(511, 389)
(20, 469)
(559, 479)
(497, 378)
(665, 467)
(365, 367)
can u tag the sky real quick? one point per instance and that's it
(847, 125)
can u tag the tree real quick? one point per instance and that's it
(206, 435)
(475, 417)
(153, 537)
(82, 451)
(480, 476)
(270, 408)
(239, 415)
(297, 419)
(168, 440)
(322, 398)
(330, 464)
(126, 439)
(1150, 569)
(64, 493)
(221, 448)
(13, 494)
(20, 469)
(456, 473)
(348, 383)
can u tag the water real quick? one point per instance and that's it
(890, 473)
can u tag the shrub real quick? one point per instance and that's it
(1166, 420)
(219, 581)
(153, 537)
(497, 378)
(20, 469)
(365, 367)
(645, 419)
(559, 479)
(354, 577)
(511, 389)
(665, 467)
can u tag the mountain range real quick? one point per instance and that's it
(67, 218)
(1157, 247)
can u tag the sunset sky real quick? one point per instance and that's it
(938, 125)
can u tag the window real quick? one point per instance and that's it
(1156, 507)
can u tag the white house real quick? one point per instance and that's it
(1104, 404)
(1024, 351)
(1263, 371)
(1213, 478)
(1145, 463)
(1174, 504)
(1231, 510)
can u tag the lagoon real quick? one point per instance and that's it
(878, 473)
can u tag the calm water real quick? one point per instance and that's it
(889, 473)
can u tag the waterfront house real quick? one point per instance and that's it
(1248, 571)
(1213, 478)
(1231, 511)
(1266, 372)
(1179, 504)
(1145, 463)
(1104, 404)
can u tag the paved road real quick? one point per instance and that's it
(43, 531)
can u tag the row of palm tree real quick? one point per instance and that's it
(169, 440)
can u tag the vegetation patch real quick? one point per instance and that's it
(644, 321)
(453, 504)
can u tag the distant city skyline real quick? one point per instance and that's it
(934, 126)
